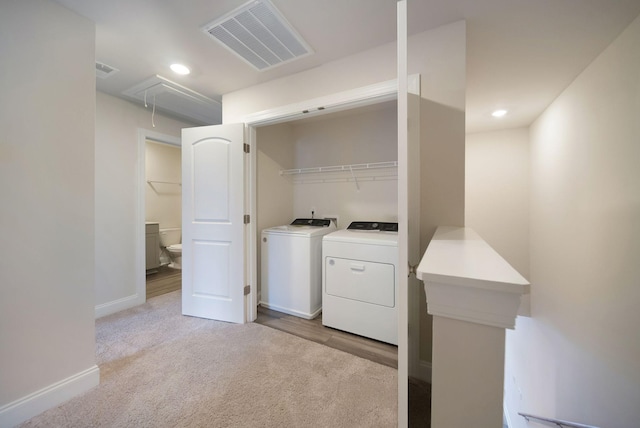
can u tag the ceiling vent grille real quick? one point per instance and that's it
(103, 70)
(259, 34)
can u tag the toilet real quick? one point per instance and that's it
(170, 240)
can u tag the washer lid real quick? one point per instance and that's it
(375, 237)
(307, 227)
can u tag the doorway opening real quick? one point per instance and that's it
(314, 166)
(159, 214)
(163, 218)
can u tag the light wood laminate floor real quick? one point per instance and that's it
(165, 280)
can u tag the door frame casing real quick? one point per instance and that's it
(405, 240)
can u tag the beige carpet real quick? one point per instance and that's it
(161, 369)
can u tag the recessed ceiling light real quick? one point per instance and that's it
(180, 69)
(499, 113)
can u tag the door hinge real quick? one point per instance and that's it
(247, 219)
(247, 148)
(413, 270)
(247, 290)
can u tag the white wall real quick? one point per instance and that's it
(47, 107)
(439, 57)
(578, 357)
(274, 192)
(116, 201)
(163, 197)
(442, 172)
(497, 192)
(367, 136)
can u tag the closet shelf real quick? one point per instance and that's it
(339, 168)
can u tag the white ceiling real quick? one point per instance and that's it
(520, 53)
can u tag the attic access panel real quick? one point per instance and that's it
(177, 100)
(259, 34)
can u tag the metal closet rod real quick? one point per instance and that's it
(557, 422)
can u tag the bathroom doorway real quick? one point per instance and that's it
(162, 216)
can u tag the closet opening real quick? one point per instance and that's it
(340, 165)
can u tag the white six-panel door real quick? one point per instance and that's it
(213, 253)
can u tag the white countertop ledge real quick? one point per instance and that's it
(465, 279)
(458, 255)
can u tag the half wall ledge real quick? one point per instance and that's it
(473, 295)
(465, 279)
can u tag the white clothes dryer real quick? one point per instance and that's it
(291, 267)
(360, 277)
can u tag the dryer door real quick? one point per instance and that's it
(368, 282)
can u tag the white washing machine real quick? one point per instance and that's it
(291, 267)
(360, 277)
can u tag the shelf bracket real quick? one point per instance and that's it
(354, 178)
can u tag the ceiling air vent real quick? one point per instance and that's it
(103, 70)
(258, 33)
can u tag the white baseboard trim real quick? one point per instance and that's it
(423, 371)
(51, 396)
(118, 305)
